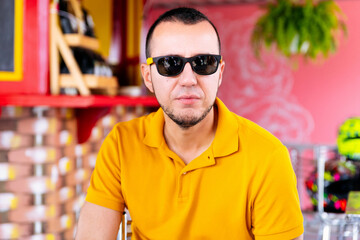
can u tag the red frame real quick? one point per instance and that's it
(35, 51)
(75, 101)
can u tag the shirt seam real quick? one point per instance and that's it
(294, 229)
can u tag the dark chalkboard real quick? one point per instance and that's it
(7, 29)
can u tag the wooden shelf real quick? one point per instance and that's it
(91, 81)
(75, 101)
(105, 85)
(78, 40)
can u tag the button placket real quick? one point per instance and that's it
(184, 185)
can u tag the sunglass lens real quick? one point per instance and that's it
(205, 64)
(169, 66)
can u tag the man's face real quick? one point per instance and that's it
(188, 97)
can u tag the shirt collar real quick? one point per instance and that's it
(154, 130)
(226, 139)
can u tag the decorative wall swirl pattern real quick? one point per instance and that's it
(260, 91)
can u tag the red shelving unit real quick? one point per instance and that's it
(75, 101)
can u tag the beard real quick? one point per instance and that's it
(185, 122)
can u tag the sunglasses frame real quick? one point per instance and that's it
(155, 60)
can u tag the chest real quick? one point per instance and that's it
(163, 193)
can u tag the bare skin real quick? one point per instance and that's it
(97, 222)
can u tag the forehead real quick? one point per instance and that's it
(176, 38)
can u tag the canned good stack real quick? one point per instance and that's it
(40, 195)
(44, 171)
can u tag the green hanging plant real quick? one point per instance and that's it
(306, 29)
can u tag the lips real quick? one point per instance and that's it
(188, 99)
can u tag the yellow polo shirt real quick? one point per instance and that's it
(242, 187)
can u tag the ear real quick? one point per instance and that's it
(145, 72)
(222, 67)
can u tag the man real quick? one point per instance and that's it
(193, 169)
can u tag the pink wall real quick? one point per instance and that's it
(299, 106)
(330, 91)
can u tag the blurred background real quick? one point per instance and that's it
(69, 70)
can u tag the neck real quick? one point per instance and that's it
(191, 142)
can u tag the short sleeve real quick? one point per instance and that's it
(105, 183)
(276, 208)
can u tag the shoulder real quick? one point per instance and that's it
(255, 134)
(251, 137)
(266, 153)
(129, 131)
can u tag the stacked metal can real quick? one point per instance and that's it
(40, 183)
(44, 172)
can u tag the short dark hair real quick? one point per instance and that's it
(184, 15)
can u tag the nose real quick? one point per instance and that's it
(187, 77)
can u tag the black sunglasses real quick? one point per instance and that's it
(170, 66)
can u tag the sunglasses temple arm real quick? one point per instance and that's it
(149, 61)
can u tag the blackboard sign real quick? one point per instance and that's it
(11, 15)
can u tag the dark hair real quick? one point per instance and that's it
(184, 15)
